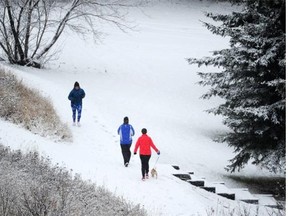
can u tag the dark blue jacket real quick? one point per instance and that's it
(126, 131)
(76, 96)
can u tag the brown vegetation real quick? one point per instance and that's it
(27, 107)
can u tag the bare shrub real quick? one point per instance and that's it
(27, 107)
(30, 185)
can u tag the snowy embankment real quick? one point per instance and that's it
(143, 75)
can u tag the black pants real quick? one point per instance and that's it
(145, 164)
(126, 152)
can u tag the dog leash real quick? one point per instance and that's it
(156, 161)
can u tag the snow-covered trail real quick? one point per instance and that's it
(143, 75)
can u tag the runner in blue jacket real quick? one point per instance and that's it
(126, 131)
(76, 95)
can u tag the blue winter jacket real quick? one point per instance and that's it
(76, 96)
(126, 131)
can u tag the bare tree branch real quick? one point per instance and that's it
(31, 22)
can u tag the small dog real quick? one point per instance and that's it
(154, 173)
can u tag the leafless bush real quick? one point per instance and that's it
(30, 185)
(27, 107)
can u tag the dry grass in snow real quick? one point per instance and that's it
(26, 107)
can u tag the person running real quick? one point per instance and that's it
(126, 131)
(145, 143)
(76, 95)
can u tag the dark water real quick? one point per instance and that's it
(263, 185)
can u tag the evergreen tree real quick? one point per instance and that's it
(252, 83)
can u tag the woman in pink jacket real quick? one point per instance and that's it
(145, 143)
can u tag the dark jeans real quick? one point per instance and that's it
(77, 108)
(145, 164)
(126, 152)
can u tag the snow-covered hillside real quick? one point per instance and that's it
(144, 75)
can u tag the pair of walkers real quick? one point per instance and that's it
(126, 131)
(144, 143)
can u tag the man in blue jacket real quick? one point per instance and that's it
(76, 96)
(126, 131)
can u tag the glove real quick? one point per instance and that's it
(158, 152)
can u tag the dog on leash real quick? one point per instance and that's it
(154, 173)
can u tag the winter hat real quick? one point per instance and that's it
(144, 131)
(76, 84)
(126, 120)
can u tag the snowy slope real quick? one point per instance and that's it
(143, 75)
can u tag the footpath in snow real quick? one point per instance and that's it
(143, 75)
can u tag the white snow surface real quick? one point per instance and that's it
(141, 74)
